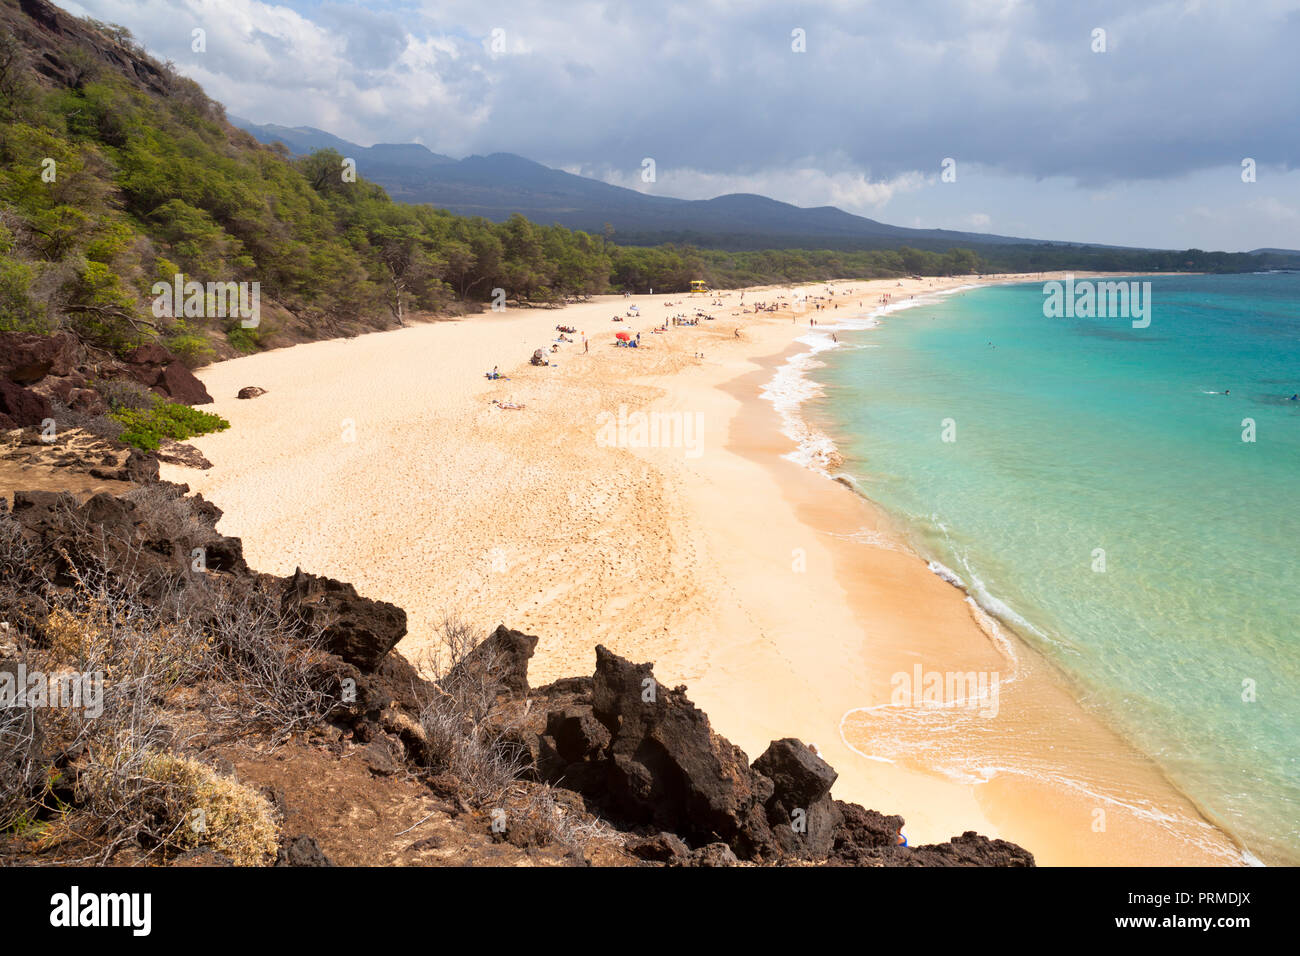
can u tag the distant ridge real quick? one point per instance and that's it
(501, 184)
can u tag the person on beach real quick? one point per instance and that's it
(585, 349)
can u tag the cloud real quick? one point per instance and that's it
(803, 184)
(1273, 209)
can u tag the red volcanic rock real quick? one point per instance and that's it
(180, 385)
(22, 406)
(27, 357)
(149, 354)
(153, 366)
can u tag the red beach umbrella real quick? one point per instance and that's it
(622, 335)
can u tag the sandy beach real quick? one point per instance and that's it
(640, 499)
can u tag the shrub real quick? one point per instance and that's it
(242, 340)
(465, 734)
(192, 347)
(271, 670)
(204, 808)
(119, 393)
(145, 428)
(98, 425)
(18, 311)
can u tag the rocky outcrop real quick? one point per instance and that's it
(868, 838)
(662, 847)
(178, 453)
(250, 391)
(664, 766)
(179, 384)
(801, 813)
(715, 854)
(22, 407)
(356, 629)
(158, 369)
(146, 545)
(648, 760)
(500, 662)
(27, 357)
(648, 757)
(154, 541)
(37, 370)
(148, 542)
(969, 849)
(59, 36)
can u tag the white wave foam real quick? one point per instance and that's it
(870, 537)
(951, 765)
(947, 573)
(791, 387)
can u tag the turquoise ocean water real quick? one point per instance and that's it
(1073, 435)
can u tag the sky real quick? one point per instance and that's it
(1169, 124)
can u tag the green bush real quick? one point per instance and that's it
(192, 347)
(18, 311)
(244, 341)
(145, 428)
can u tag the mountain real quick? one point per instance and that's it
(502, 184)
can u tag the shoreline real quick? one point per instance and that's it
(440, 502)
(1132, 800)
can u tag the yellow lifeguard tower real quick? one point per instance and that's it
(699, 285)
